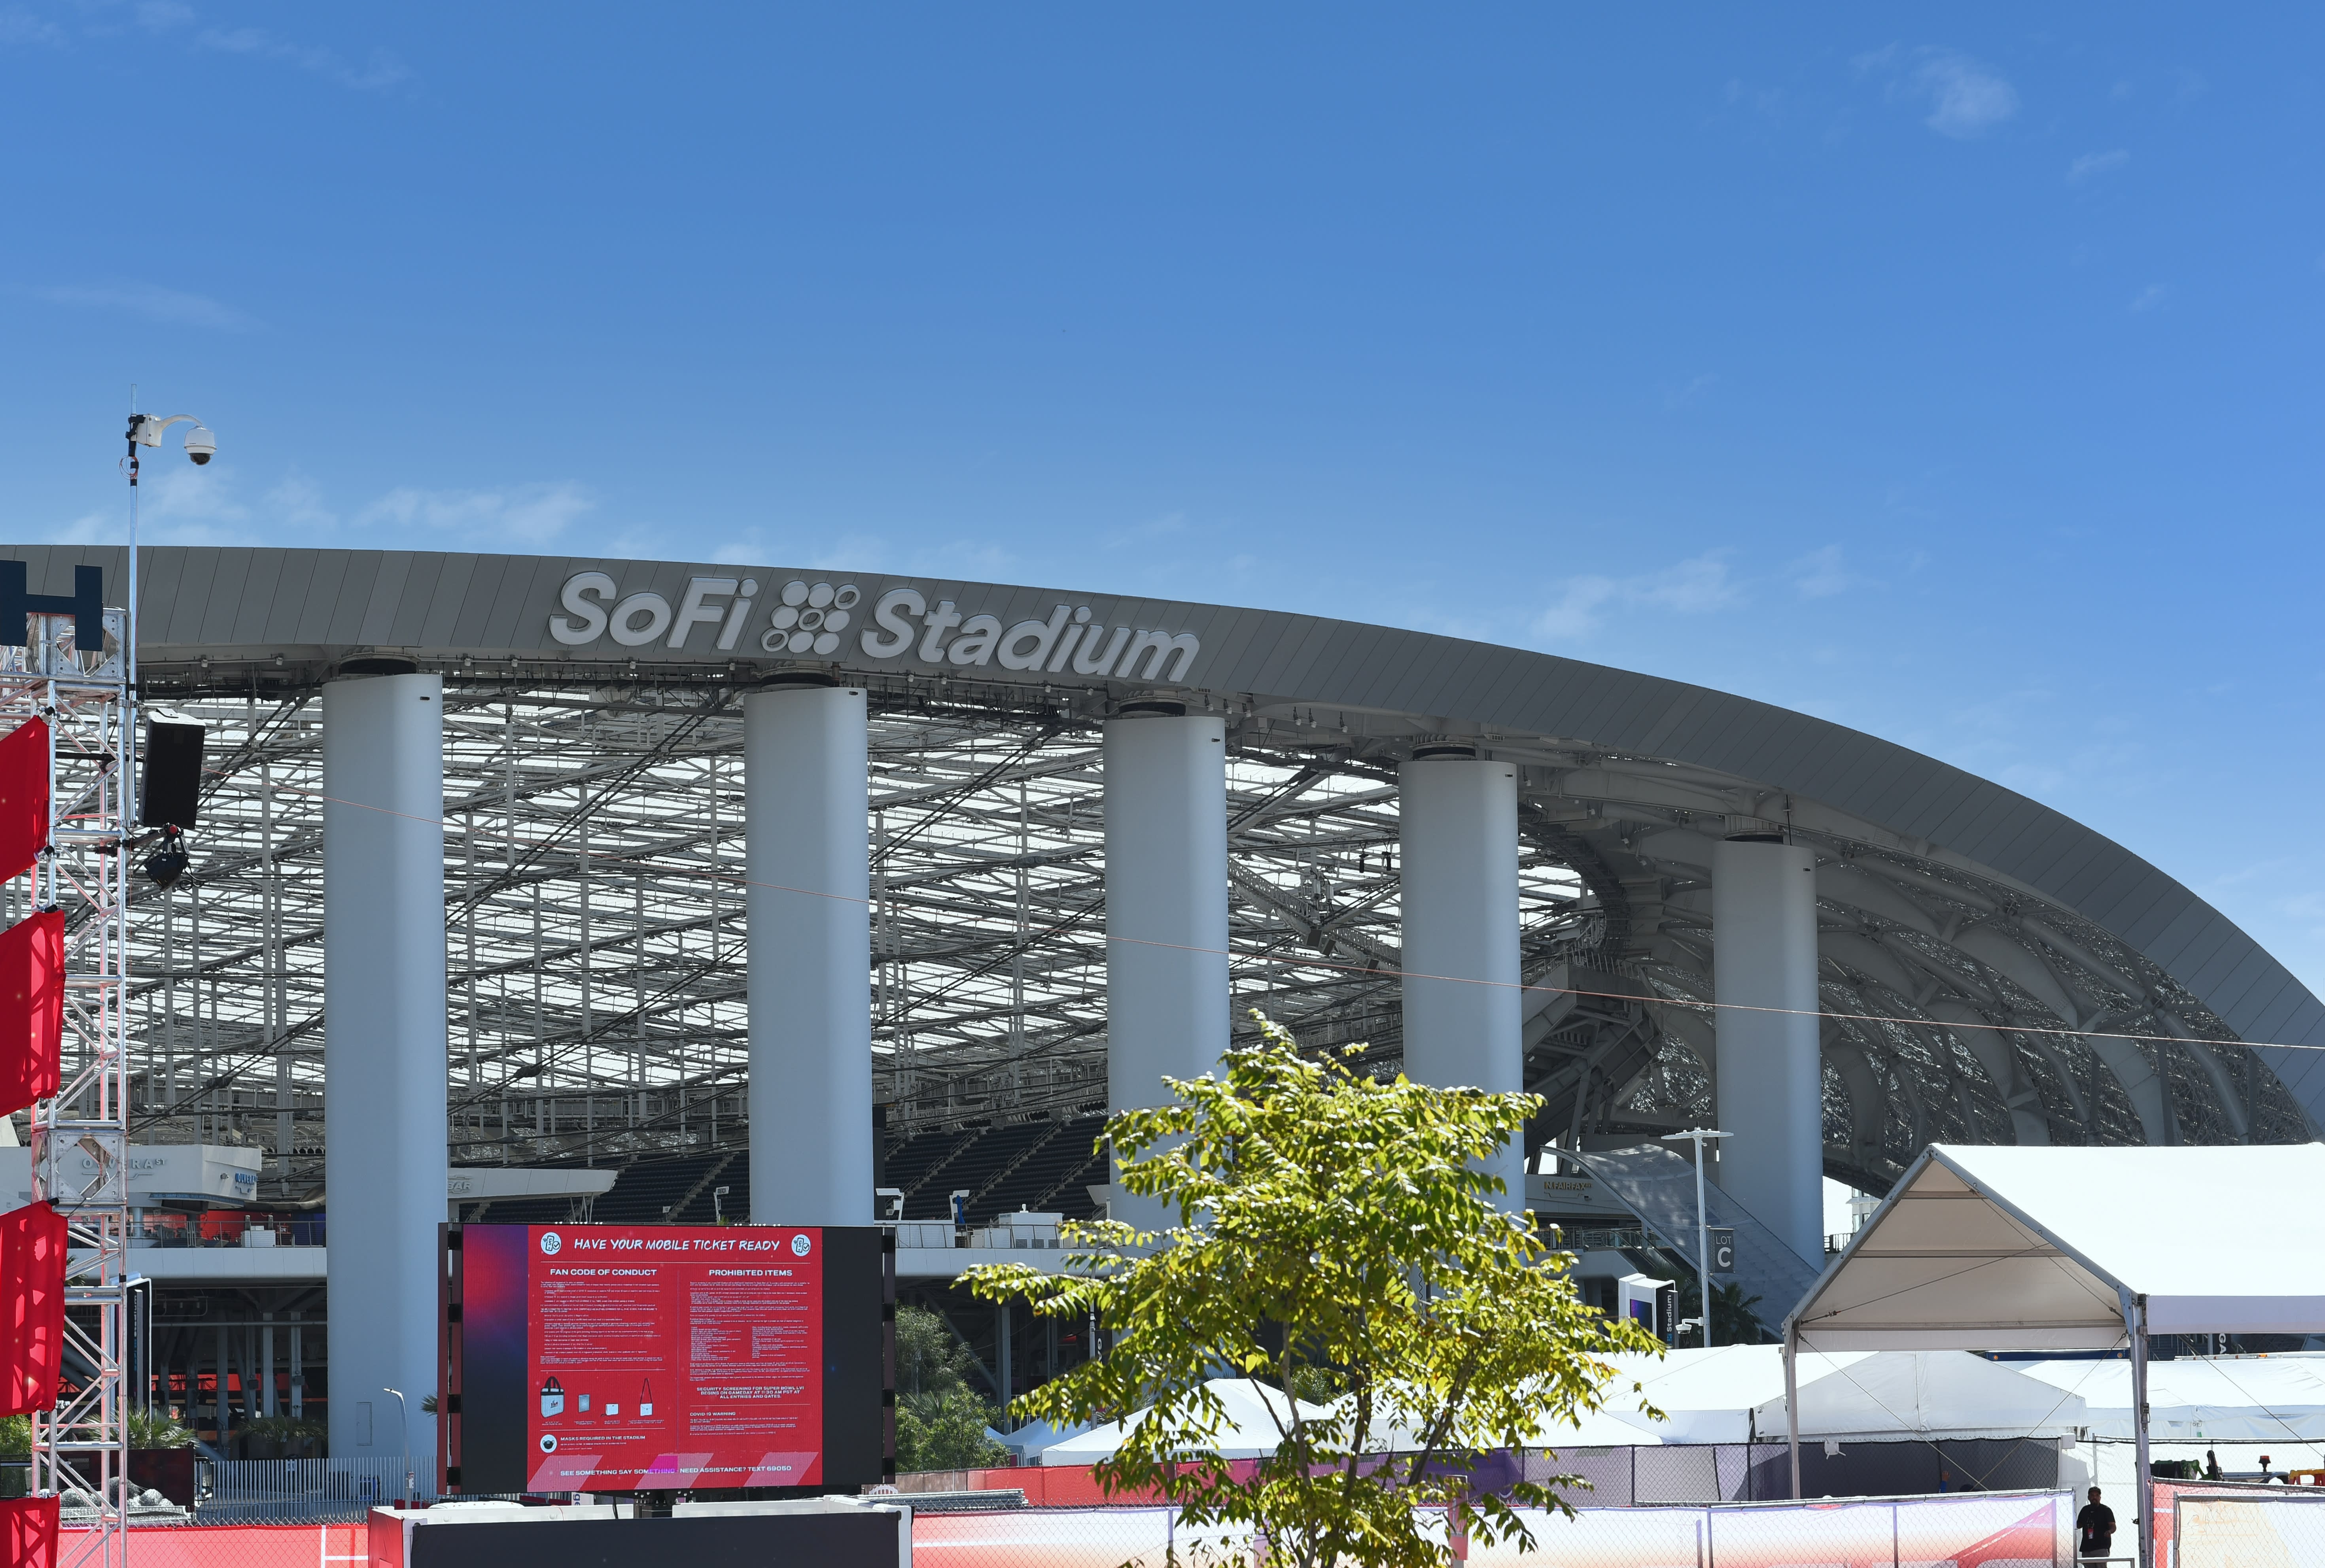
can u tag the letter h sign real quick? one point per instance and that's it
(85, 604)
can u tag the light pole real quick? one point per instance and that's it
(404, 1419)
(146, 431)
(1697, 1135)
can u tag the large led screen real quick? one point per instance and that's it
(627, 1358)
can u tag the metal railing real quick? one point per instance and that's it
(252, 1491)
(224, 1229)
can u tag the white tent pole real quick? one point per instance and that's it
(1792, 1400)
(2134, 1320)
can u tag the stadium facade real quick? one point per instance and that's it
(791, 885)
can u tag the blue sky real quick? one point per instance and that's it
(1949, 376)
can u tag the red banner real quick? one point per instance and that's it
(31, 1008)
(28, 1532)
(23, 797)
(32, 1307)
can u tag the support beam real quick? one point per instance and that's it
(1771, 1087)
(1166, 911)
(384, 1046)
(807, 851)
(1463, 1010)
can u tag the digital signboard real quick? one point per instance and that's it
(631, 1358)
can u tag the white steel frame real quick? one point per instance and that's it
(82, 1447)
(594, 920)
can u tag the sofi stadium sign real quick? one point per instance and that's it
(716, 614)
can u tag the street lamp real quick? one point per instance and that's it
(404, 1419)
(1697, 1135)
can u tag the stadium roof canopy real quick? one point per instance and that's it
(2045, 1249)
(1993, 971)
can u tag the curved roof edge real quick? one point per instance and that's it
(319, 604)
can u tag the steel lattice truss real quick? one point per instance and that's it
(595, 908)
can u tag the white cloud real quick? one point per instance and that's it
(151, 301)
(255, 42)
(2092, 164)
(1692, 587)
(160, 15)
(1967, 99)
(23, 27)
(1167, 524)
(845, 552)
(298, 500)
(2148, 298)
(1678, 397)
(1819, 575)
(521, 516)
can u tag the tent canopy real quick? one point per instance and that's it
(2278, 1399)
(1251, 1432)
(1588, 1429)
(2041, 1248)
(1736, 1393)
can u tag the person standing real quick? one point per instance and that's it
(2094, 1529)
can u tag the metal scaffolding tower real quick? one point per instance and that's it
(80, 1138)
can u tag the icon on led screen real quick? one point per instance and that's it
(548, 1443)
(552, 1398)
(645, 1396)
(799, 1245)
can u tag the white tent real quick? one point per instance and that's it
(2208, 1399)
(1251, 1431)
(1735, 1394)
(2044, 1249)
(2078, 1249)
(1588, 1429)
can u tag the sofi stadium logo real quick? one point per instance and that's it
(819, 619)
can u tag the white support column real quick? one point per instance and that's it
(1166, 911)
(1457, 878)
(1763, 954)
(383, 1051)
(808, 857)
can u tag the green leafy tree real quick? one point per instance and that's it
(1733, 1320)
(1333, 1232)
(158, 1430)
(940, 1420)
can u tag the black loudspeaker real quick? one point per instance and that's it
(172, 791)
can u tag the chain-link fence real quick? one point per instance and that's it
(332, 1545)
(1649, 1475)
(2262, 1527)
(247, 1491)
(1967, 1530)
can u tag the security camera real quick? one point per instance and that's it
(146, 430)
